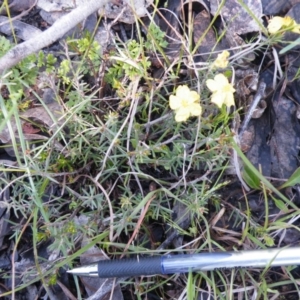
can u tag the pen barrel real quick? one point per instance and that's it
(130, 267)
(223, 260)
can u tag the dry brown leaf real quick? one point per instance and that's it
(28, 128)
(39, 114)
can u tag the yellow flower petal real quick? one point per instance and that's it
(211, 84)
(288, 21)
(174, 102)
(182, 91)
(218, 99)
(221, 60)
(195, 109)
(296, 29)
(193, 97)
(278, 23)
(221, 80)
(185, 103)
(229, 99)
(222, 91)
(275, 25)
(182, 114)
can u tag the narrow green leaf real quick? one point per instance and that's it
(266, 182)
(251, 179)
(280, 204)
(290, 46)
(293, 180)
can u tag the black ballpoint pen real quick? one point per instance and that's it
(183, 263)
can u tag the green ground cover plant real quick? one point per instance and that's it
(127, 148)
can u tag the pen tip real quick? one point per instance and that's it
(91, 271)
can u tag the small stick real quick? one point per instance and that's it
(258, 96)
(49, 36)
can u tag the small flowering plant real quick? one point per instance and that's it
(222, 90)
(185, 103)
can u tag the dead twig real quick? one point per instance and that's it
(258, 96)
(49, 36)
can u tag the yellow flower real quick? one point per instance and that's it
(277, 23)
(296, 28)
(222, 90)
(222, 60)
(185, 103)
